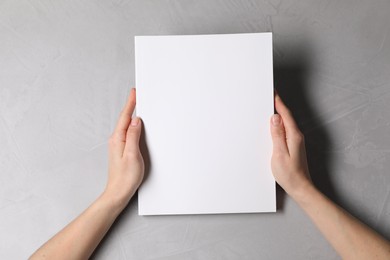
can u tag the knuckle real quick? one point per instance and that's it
(133, 155)
(279, 156)
(111, 140)
(115, 138)
(132, 132)
(288, 112)
(298, 137)
(278, 133)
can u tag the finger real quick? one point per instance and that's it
(285, 113)
(293, 135)
(132, 136)
(278, 134)
(127, 112)
(119, 135)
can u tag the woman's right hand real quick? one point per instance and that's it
(288, 163)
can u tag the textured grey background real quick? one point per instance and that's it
(66, 68)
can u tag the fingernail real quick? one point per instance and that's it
(134, 121)
(276, 120)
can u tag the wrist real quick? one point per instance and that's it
(115, 202)
(301, 193)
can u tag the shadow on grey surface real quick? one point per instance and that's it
(291, 82)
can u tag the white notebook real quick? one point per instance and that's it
(206, 103)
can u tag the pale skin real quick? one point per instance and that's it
(349, 237)
(79, 239)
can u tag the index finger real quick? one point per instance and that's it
(125, 116)
(286, 115)
(118, 138)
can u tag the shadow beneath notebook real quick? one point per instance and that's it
(290, 77)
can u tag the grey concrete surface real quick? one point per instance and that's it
(66, 68)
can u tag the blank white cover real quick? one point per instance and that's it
(206, 101)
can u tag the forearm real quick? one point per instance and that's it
(126, 169)
(349, 237)
(80, 238)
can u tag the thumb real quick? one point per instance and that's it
(133, 135)
(278, 134)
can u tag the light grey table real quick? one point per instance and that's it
(66, 68)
